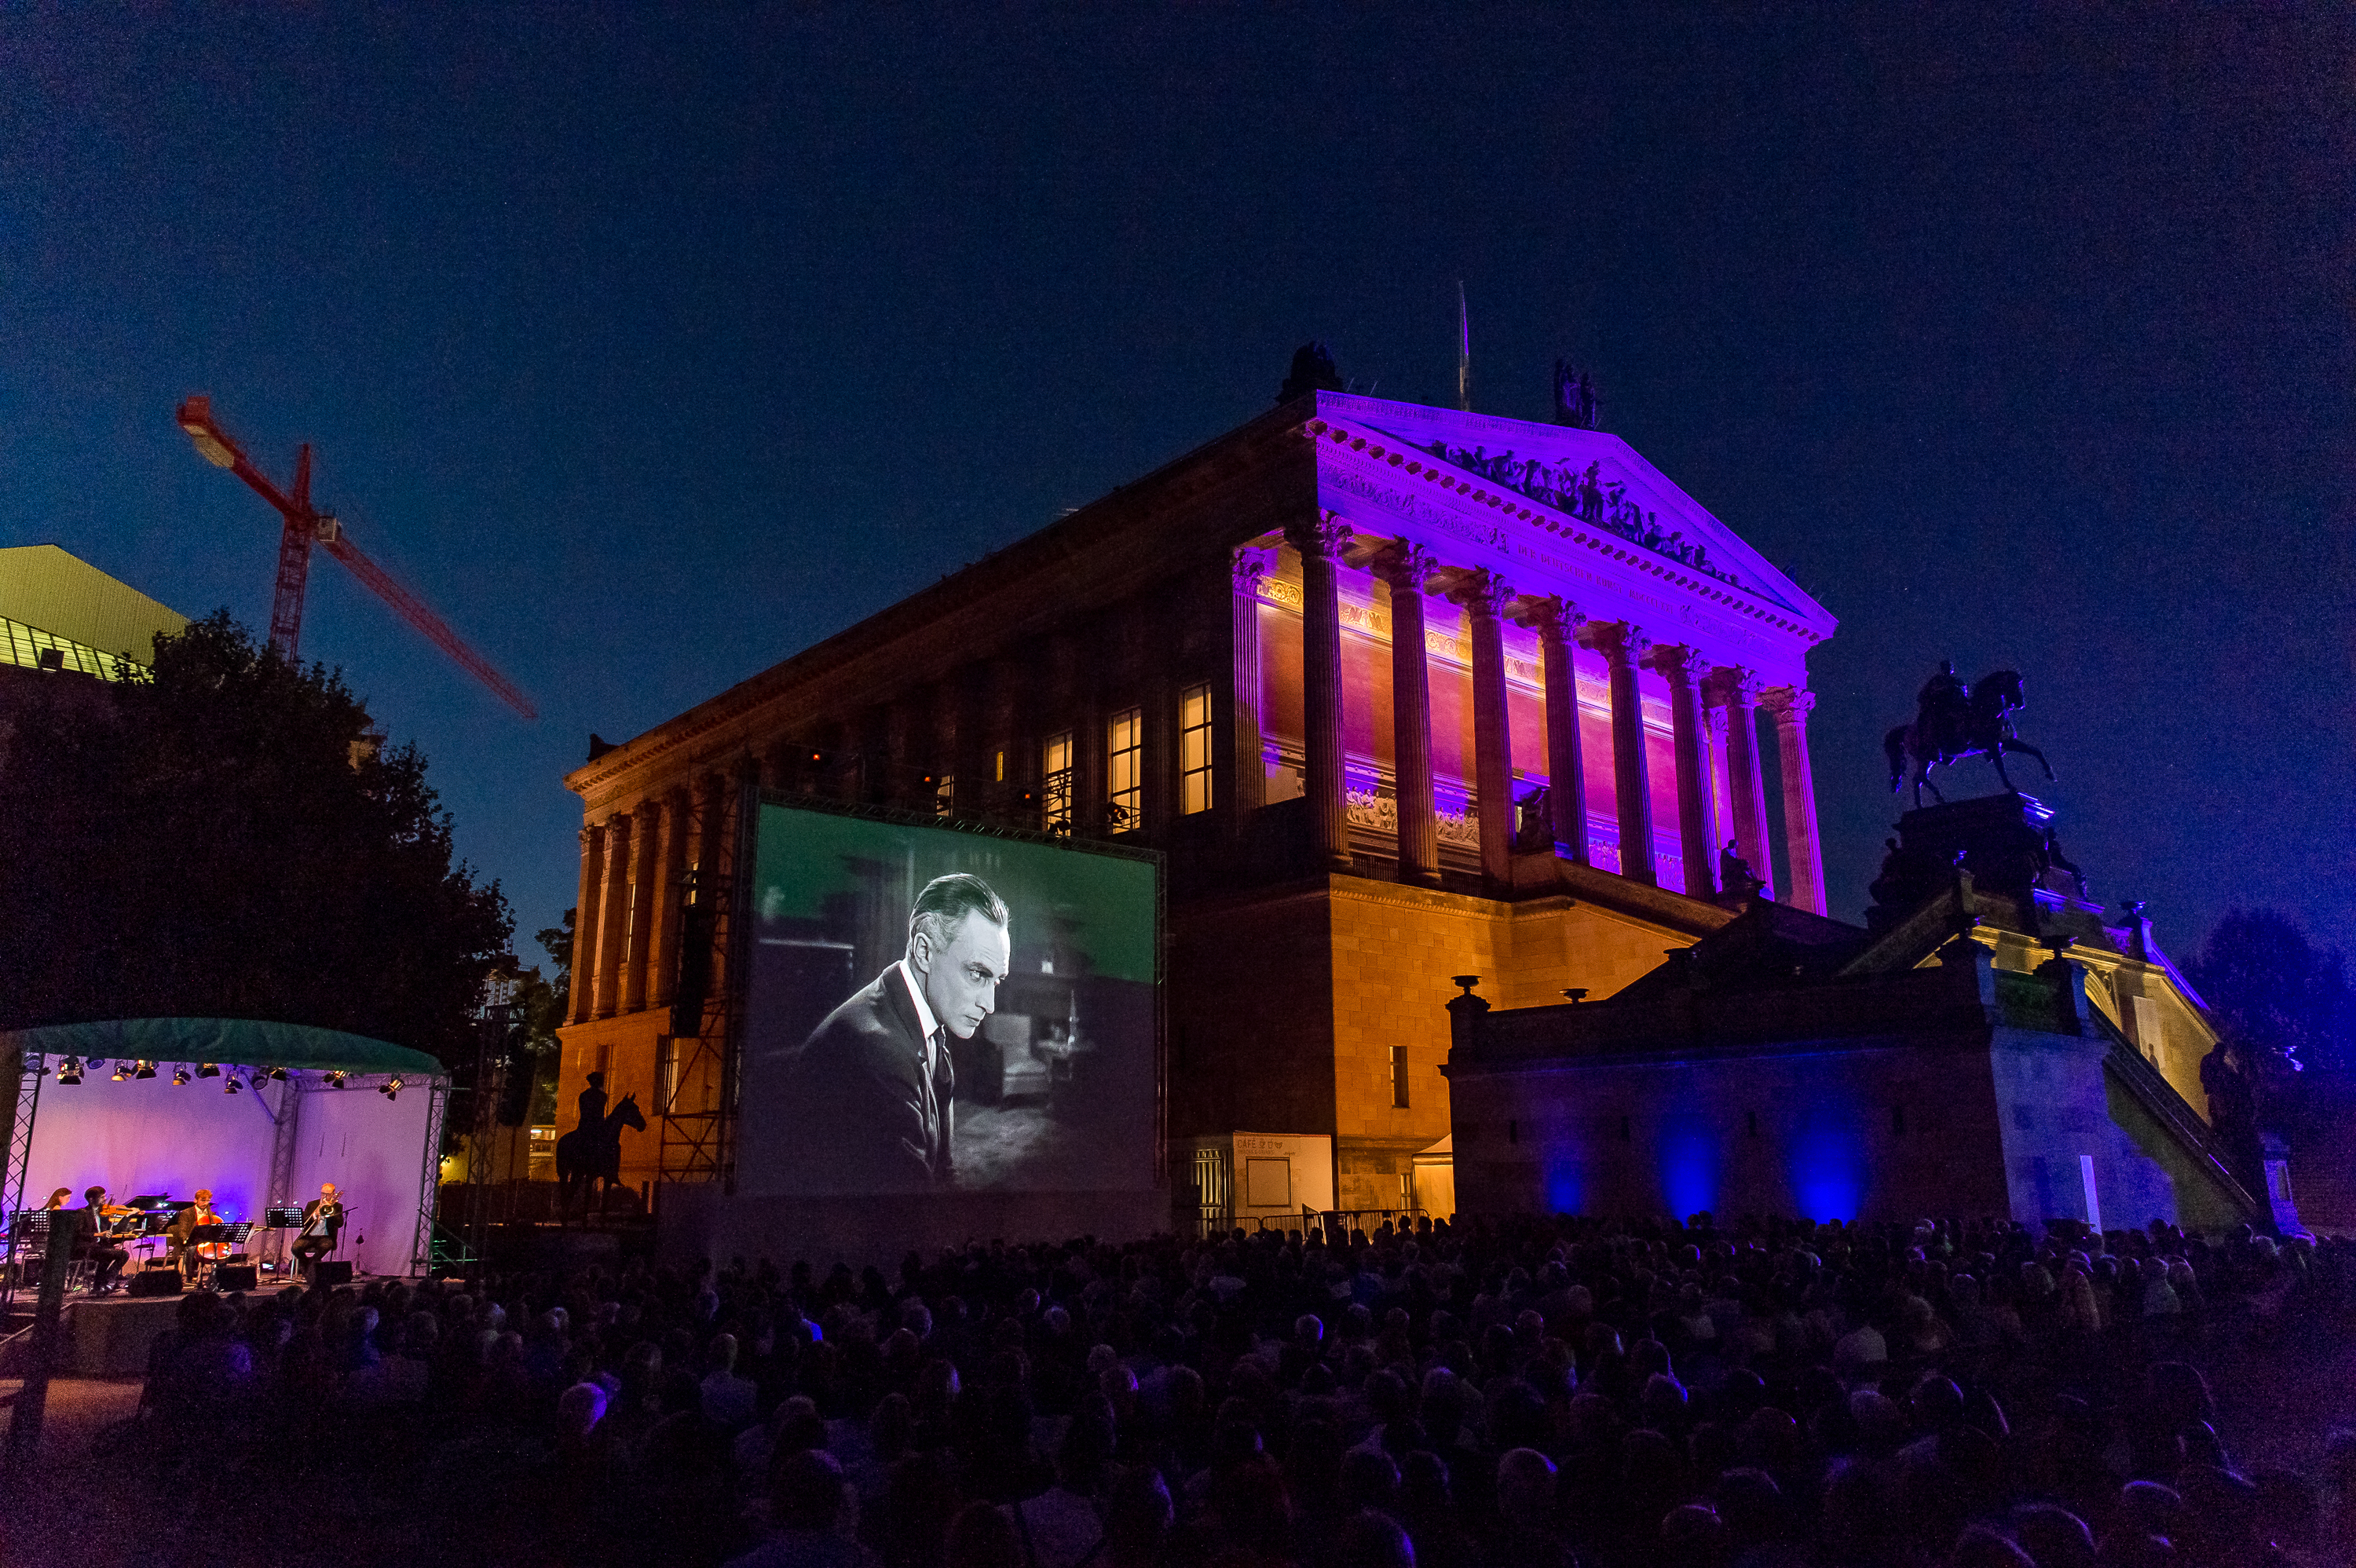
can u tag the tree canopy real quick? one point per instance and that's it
(223, 836)
(2272, 991)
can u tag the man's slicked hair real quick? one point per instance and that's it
(947, 900)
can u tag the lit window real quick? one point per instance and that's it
(1195, 750)
(1125, 770)
(1055, 783)
(944, 795)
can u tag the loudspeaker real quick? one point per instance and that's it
(332, 1271)
(156, 1282)
(237, 1277)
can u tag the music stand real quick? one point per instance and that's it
(281, 1218)
(229, 1232)
(30, 1225)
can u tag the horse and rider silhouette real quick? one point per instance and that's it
(591, 1153)
(1953, 722)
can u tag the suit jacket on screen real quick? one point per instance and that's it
(861, 1114)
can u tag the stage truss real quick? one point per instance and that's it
(29, 1073)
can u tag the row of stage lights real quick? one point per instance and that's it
(71, 1069)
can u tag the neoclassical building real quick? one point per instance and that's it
(1399, 692)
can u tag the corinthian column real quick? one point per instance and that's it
(662, 949)
(1248, 792)
(1736, 692)
(613, 913)
(1320, 680)
(1804, 867)
(1683, 667)
(1623, 648)
(646, 881)
(1483, 595)
(585, 923)
(1406, 568)
(1557, 623)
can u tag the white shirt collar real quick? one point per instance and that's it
(926, 1025)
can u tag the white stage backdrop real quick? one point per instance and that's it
(138, 1137)
(372, 1148)
(150, 1136)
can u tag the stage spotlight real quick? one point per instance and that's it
(391, 1089)
(122, 1070)
(334, 1080)
(70, 1070)
(208, 1070)
(179, 1077)
(145, 1069)
(229, 1084)
(278, 1075)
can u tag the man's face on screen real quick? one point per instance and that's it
(961, 979)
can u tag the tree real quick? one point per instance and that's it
(532, 1048)
(224, 837)
(2274, 994)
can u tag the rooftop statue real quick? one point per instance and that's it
(1574, 397)
(1952, 721)
(1313, 371)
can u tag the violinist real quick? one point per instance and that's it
(106, 1258)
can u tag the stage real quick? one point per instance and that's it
(107, 1336)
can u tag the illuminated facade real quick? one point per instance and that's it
(1400, 692)
(1989, 1043)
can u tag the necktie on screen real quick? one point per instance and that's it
(933, 1045)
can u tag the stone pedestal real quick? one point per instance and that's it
(1998, 839)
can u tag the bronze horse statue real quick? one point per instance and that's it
(592, 1153)
(1971, 721)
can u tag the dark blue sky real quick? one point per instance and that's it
(652, 348)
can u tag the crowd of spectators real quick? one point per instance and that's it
(1534, 1393)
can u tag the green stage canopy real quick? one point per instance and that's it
(240, 1043)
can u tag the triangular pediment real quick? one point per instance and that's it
(1591, 479)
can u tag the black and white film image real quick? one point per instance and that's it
(935, 1010)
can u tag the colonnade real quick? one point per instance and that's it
(625, 931)
(1705, 701)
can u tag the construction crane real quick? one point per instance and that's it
(306, 526)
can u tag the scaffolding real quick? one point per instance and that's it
(696, 1067)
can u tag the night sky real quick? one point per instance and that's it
(654, 349)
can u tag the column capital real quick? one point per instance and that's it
(1681, 662)
(1405, 565)
(589, 834)
(1733, 686)
(1624, 642)
(1551, 618)
(1482, 591)
(1248, 564)
(1789, 704)
(1323, 537)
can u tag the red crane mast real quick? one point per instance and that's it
(306, 526)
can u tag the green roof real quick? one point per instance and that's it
(239, 1042)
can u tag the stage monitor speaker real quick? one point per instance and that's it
(156, 1282)
(237, 1277)
(333, 1271)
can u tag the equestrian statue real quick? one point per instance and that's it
(1953, 722)
(592, 1152)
